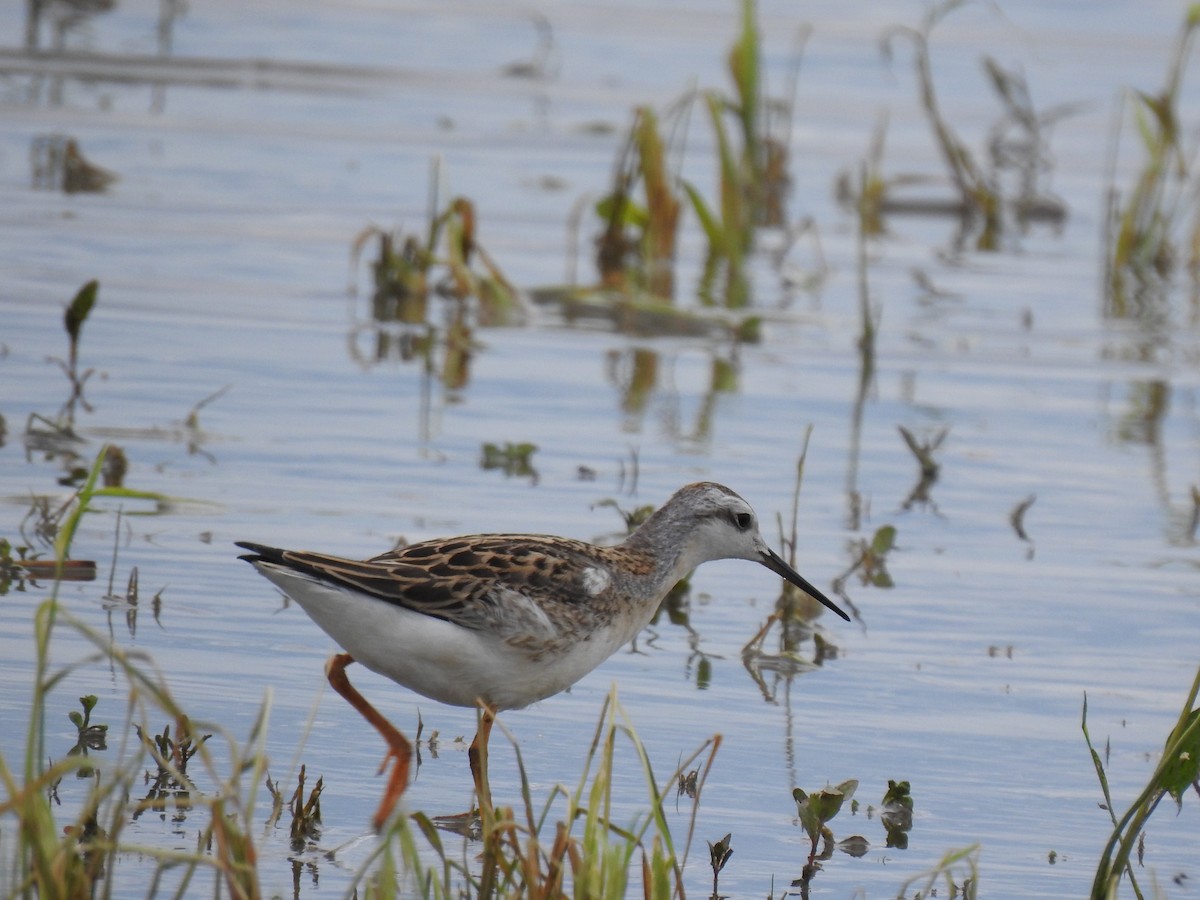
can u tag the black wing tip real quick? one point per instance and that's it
(259, 552)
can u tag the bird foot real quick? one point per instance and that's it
(396, 785)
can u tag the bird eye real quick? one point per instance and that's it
(742, 521)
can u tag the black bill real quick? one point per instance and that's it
(775, 563)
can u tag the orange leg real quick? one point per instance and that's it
(478, 755)
(399, 748)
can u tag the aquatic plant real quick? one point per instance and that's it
(514, 460)
(450, 263)
(752, 170)
(719, 853)
(91, 736)
(869, 560)
(640, 213)
(56, 437)
(306, 812)
(1142, 237)
(729, 228)
(636, 249)
(815, 810)
(959, 869)
(977, 194)
(531, 851)
(50, 860)
(405, 269)
(1177, 771)
(795, 613)
(987, 195)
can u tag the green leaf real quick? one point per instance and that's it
(632, 215)
(1181, 759)
(830, 800)
(884, 540)
(62, 541)
(817, 808)
(712, 230)
(809, 820)
(77, 312)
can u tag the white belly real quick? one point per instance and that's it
(435, 658)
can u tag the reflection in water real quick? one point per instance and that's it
(128, 602)
(69, 18)
(1150, 231)
(869, 318)
(406, 275)
(636, 374)
(544, 63)
(923, 450)
(171, 785)
(514, 460)
(1017, 519)
(1143, 421)
(63, 16)
(59, 165)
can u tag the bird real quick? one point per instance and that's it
(500, 621)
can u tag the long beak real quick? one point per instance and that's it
(775, 563)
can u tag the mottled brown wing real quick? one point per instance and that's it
(504, 582)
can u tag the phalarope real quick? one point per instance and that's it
(500, 621)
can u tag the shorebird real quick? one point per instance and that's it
(500, 621)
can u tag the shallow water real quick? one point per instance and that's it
(223, 253)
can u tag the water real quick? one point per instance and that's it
(223, 254)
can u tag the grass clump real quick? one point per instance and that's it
(571, 845)
(55, 858)
(1144, 240)
(636, 250)
(1178, 771)
(992, 191)
(449, 262)
(977, 193)
(641, 213)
